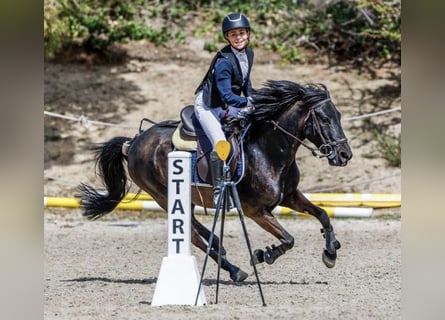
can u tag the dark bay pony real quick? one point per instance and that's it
(286, 113)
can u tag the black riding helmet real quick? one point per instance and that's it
(234, 21)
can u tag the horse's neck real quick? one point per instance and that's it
(282, 139)
(292, 122)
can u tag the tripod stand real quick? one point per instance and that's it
(228, 192)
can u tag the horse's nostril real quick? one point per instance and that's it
(345, 155)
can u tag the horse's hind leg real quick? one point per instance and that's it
(200, 236)
(205, 233)
(300, 203)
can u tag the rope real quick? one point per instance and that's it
(373, 114)
(83, 121)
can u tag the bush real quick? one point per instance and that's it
(94, 25)
(362, 30)
(357, 32)
(389, 148)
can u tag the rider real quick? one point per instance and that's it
(224, 93)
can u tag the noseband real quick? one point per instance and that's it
(327, 147)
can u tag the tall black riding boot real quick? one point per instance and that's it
(216, 169)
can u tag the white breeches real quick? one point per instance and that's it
(209, 119)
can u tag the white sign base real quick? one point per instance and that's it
(178, 282)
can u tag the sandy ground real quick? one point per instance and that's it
(108, 269)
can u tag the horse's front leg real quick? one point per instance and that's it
(268, 222)
(200, 237)
(300, 203)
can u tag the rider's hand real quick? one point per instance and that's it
(247, 110)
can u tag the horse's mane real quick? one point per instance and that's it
(278, 95)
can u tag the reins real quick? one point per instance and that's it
(326, 149)
(277, 126)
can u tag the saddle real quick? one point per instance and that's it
(189, 136)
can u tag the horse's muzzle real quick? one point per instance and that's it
(340, 156)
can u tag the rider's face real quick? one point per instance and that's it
(238, 38)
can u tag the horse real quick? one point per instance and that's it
(286, 113)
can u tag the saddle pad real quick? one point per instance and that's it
(181, 144)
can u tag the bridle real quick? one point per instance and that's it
(327, 146)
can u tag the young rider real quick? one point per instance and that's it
(225, 90)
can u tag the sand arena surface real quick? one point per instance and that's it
(108, 270)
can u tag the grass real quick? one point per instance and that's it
(389, 148)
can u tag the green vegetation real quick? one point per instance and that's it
(95, 25)
(387, 147)
(355, 32)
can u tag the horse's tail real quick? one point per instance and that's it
(110, 167)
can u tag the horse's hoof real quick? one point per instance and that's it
(328, 259)
(269, 257)
(239, 276)
(258, 256)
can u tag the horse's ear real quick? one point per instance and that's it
(325, 89)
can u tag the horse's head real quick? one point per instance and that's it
(279, 100)
(323, 128)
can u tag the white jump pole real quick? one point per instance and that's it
(178, 279)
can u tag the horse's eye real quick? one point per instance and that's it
(326, 121)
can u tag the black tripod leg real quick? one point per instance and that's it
(241, 216)
(210, 241)
(225, 196)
